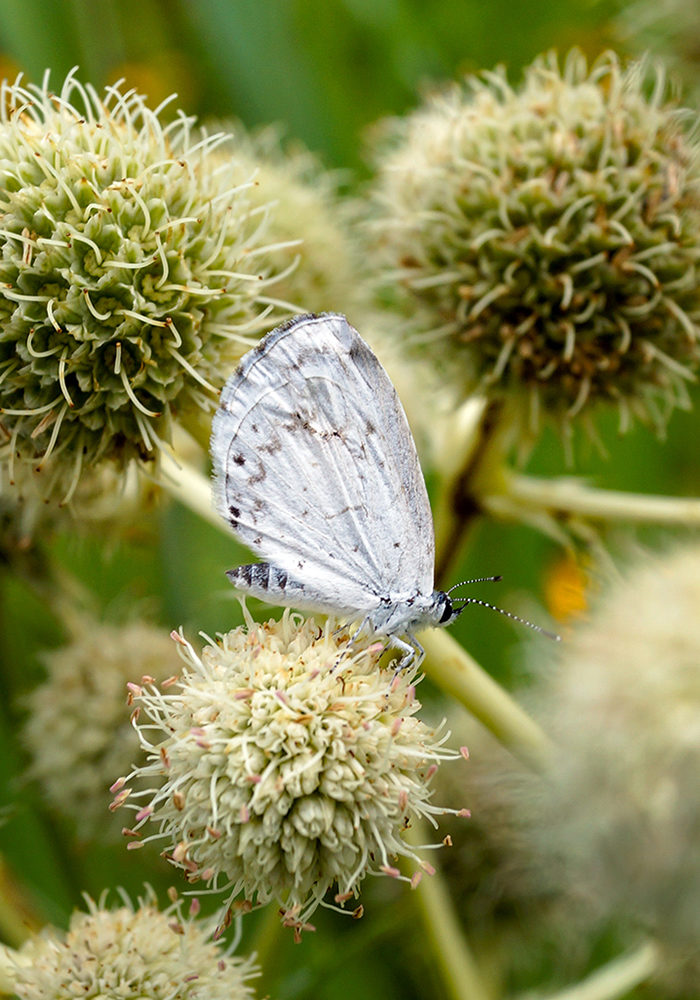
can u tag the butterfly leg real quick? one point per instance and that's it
(409, 650)
(351, 641)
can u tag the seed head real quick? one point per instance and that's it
(131, 951)
(548, 238)
(133, 275)
(287, 761)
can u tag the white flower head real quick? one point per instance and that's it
(78, 731)
(620, 814)
(285, 761)
(131, 951)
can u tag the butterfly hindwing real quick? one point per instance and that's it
(316, 469)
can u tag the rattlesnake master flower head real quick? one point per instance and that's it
(78, 731)
(287, 763)
(133, 275)
(305, 218)
(620, 813)
(548, 237)
(131, 950)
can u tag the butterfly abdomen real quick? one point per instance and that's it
(260, 579)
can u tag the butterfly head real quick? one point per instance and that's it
(446, 610)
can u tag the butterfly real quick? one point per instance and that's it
(316, 470)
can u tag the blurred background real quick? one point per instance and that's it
(326, 71)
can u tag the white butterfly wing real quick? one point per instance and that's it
(316, 469)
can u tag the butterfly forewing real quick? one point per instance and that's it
(316, 469)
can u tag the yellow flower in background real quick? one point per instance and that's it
(619, 815)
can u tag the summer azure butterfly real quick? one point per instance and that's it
(316, 470)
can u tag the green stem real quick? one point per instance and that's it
(454, 670)
(191, 488)
(266, 945)
(561, 498)
(459, 970)
(614, 980)
(476, 451)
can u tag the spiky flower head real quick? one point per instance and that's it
(286, 762)
(133, 274)
(620, 812)
(78, 730)
(549, 236)
(318, 259)
(134, 951)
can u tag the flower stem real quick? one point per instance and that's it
(191, 488)
(475, 454)
(267, 944)
(459, 970)
(570, 497)
(614, 980)
(454, 670)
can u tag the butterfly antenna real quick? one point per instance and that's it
(479, 579)
(509, 614)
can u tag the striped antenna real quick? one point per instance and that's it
(492, 607)
(479, 579)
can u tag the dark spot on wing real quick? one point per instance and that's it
(258, 476)
(327, 435)
(298, 423)
(370, 428)
(397, 545)
(272, 446)
(239, 459)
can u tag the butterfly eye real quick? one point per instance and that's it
(449, 611)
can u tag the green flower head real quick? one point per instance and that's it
(133, 275)
(548, 237)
